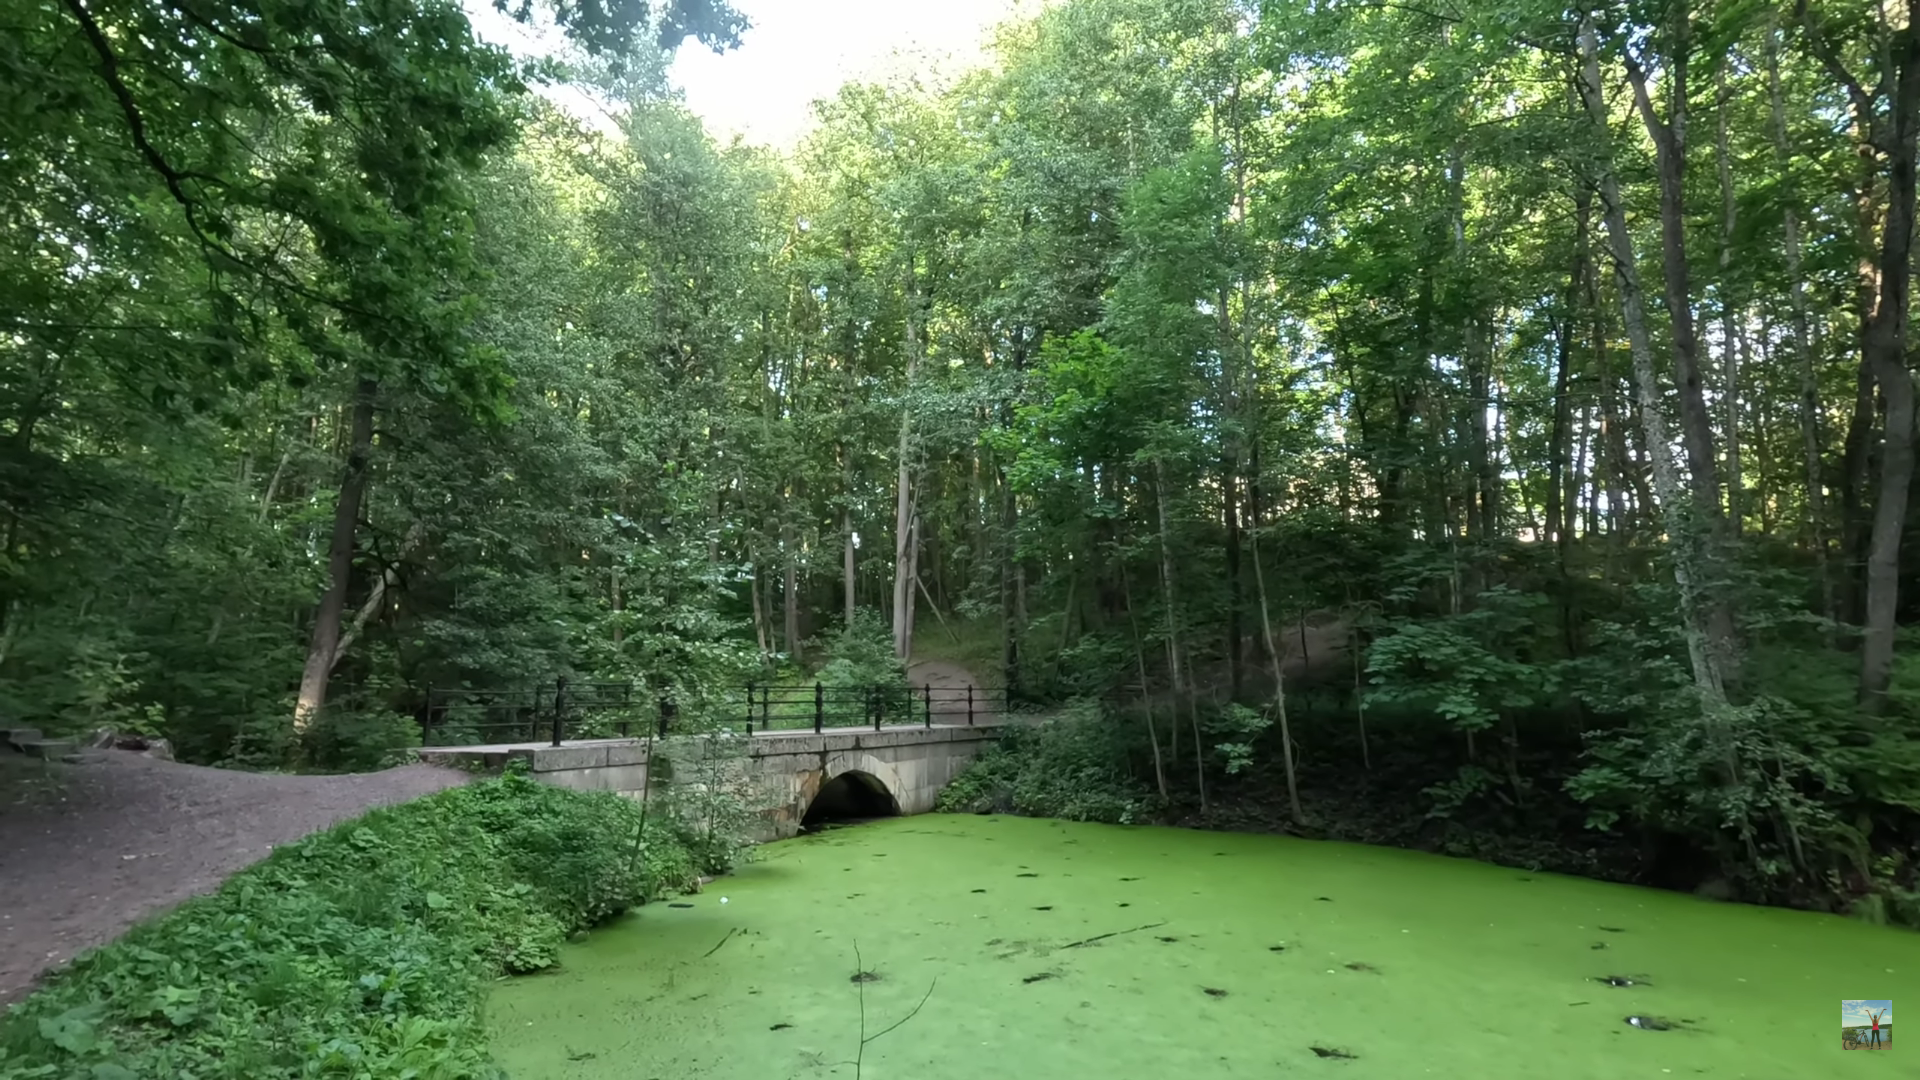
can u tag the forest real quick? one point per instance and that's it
(1548, 366)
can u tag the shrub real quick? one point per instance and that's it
(362, 951)
(861, 655)
(350, 741)
(1072, 767)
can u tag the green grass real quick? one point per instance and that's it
(365, 951)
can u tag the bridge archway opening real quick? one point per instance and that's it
(850, 799)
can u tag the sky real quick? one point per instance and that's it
(802, 50)
(1854, 1013)
(796, 52)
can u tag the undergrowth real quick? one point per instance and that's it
(363, 951)
(1068, 767)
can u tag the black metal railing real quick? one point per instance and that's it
(549, 712)
(819, 707)
(555, 712)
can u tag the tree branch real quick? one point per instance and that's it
(1657, 128)
(1822, 49)
(387, 580)
(136, 123)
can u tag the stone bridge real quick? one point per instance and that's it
(794, 777)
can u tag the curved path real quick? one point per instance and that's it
(89, 849)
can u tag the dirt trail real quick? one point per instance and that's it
(951, 686)
(89, 849)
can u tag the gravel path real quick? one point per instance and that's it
(89, 849)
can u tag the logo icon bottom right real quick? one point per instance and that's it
(1866, 1024)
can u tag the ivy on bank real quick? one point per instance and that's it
(363, 951)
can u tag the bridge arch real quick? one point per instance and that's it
(851, 795)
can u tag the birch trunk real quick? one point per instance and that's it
(1674, 499)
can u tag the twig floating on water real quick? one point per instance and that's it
(1115, 933)
(716, 947)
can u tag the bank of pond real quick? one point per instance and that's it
(510, 925)
(1045, 948)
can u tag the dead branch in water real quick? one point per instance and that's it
(1116, 933)
(860, 970)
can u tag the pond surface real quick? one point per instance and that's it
(1218, 955)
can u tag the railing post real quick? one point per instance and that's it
(666, 713)
(559, 707)
(766, 693)
(879, 706)
(969, 704)
(819, 707)
(749, 708)
(926, 693)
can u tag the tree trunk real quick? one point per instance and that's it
(847, 564)
(1670, 146)
(1857, 459)
(1231, 514)
(790, 593)
(1168, 590)
(1620, 473)
(1483, 516)
(903, 489)
(1280, 689)
(762, 631)
(913, 578)
(1146, 688)
(1683, 533)
(325, 640)
(1559, 449)
(1802, 338)
(1729, 321)
(1696, 421)
(1888, 119)
(1886, 355)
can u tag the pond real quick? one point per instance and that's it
(1090, 951)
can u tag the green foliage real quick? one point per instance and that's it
(362, 951)
(861, 655)
(344, 741)
(1240, 726)
(1072, 766)
(1470, 668)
